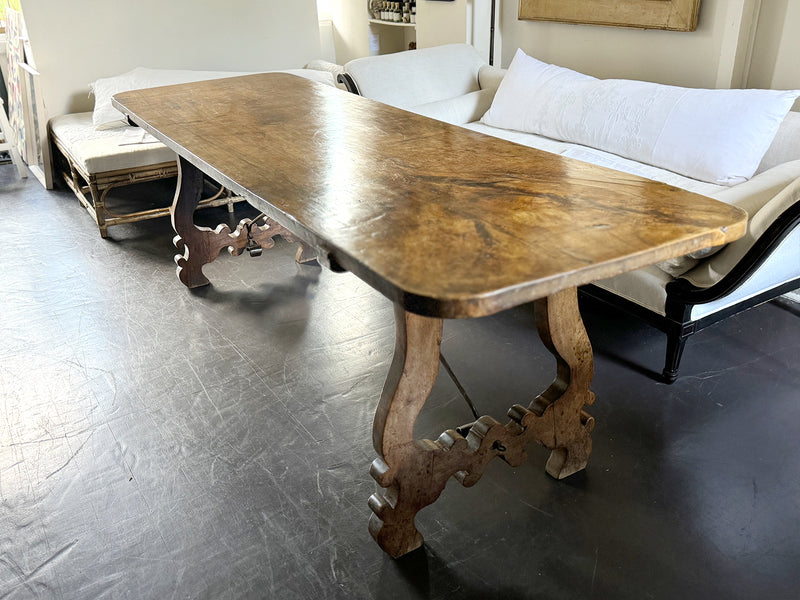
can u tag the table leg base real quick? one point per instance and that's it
(414, 473)
(198, 246)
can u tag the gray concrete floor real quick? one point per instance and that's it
(157, 442)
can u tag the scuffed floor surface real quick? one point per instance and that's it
(162, 443)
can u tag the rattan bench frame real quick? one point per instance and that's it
(91, 189)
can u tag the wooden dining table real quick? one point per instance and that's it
(446, 223)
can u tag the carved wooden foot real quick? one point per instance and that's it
(560, 327)
(408, 384)
(199, 246)
(305, 253)
(415, 472)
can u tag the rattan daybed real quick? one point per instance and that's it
(95, 162)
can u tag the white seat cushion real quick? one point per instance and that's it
(646, 287)
(100, 151)
(599, 157)
(457, 111)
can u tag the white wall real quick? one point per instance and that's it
(75, 42)
(437, 23)
(351, 29)
(478, 29)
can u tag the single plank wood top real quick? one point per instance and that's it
(442, 220)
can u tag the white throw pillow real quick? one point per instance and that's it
(718, 136)
(105, 116)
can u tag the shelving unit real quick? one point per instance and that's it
(387, 37)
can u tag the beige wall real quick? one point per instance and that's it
(441, 23)
(79, 41)
(738, 43)
(776, 55)
(678, 58)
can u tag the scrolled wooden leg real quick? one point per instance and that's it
(305, 253)
(198, 246)
(414, 473)
(189, 239)
(402, 467)
(560, 326)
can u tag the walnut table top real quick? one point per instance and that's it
(445, 221)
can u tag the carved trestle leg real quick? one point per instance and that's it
(199, 246)
(559, 323)
(415, 472)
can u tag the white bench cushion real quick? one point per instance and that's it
(100, 151)
(105, 116)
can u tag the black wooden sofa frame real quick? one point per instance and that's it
(682, 295)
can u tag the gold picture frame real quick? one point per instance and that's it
(673, 15)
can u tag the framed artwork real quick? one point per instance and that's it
(674, 15)
(16, 56)
(37, 149)
(26, 110)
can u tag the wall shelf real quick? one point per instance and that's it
(391, 23)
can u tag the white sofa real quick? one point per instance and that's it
(454, 84)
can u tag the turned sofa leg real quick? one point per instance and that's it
(675, 345)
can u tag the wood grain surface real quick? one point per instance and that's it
(445, 221)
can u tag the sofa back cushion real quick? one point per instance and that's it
(786, 145)
(415, 77)
(718, 136)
